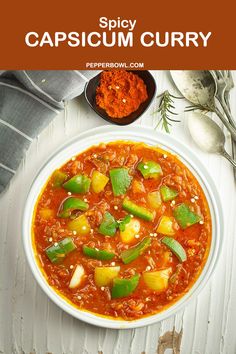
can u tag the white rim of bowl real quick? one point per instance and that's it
(105, 134)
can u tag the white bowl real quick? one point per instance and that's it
(137, 134)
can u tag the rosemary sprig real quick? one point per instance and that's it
(166, 107)
(199, 107)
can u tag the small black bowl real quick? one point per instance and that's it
(90, 95)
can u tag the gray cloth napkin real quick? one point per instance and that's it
(29, 100)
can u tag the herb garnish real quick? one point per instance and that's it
(200, 107)
(166, 107)
(122, 223)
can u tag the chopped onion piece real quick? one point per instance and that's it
(76, 277)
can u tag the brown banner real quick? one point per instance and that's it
(175, 38)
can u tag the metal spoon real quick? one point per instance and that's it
(199, 87)
(208, 135)
(227, 75)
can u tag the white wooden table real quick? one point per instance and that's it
(31, 323)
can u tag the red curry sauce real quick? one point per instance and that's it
(120, 93)
(49, 228)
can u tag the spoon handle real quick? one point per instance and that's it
(230, 127)
(233, 143)
(223, 102)
(226, 108)
(229, 158)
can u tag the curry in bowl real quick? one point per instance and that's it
(122, 230)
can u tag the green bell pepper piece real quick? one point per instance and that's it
(108, 226)
(132, 253)
(78, 184)
(103, 255)
(168, 193)
(57, 252)
(137, 210)
(150, 169)
(185, 217)
(58, 178)
(120, 180)
(175, 247)
(72, 204)
(124, 287)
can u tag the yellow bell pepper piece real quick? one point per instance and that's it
(99, 181)
(138, 187)
(80, 225)
(157, 280)
(131, 229)
(165, 226)
(154, 199)
(46, 213)
(103, 276)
